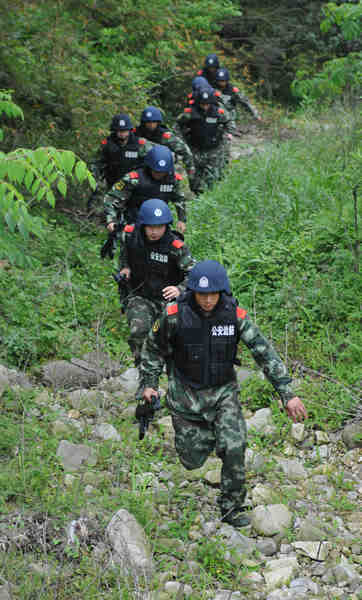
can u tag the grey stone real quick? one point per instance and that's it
(343, 572)
(103, 363)
(74, 456)
(106, 431)
(260, 420)
(267, 546)
(271, 519)
(307, 583)
(13, 378)
(237, 541)
(321, 437)
(352, 435)
(298, 432)
(84, 400)
(278, 572)
(292, 469)
(131, 549)
(127, 382)
(262, 494)
(61, 374)
(227, 595)
(311, 530)
(314, 550)
(5, 593)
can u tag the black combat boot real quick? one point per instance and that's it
(235, 517)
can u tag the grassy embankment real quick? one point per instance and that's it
(284, 224)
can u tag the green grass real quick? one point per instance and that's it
(282, 222)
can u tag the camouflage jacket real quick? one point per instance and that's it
(176, 144)
(230, 97)
(119, 197)
(158, 349)
(113, 161)
(180, 253)
(184, 123)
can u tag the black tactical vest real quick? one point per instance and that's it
(152, 265)
(149, 188)
(152, 136)
(205, 347)
(120, 160)
(228, 92)
(205, 131)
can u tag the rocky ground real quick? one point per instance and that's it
(304, 541)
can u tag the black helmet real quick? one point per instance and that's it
(222, 75)
(151, 113)
(121, 122)
(211, 61)
(154, 212)
(208, 276)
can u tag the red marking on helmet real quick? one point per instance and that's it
(189, 95)
(199, 72)
(166, 135)
(104, 142)
(191, 101)
(217, 93)
(133, 175)
(178, 176)
(240, 312)
(129, 228)
(235, 89)
(178, 243)
(142, 141)
(187, 110)
(172, 310)
(221, 111)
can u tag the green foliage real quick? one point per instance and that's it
(74, 65)
(287, 235)
(211, 555)
(64, 302)
(27, 179)
(347, 16)
(339, 75)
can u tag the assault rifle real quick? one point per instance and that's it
(110, 243)
(123, 288)
(145, 413)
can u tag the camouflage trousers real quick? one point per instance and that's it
(207, 420)
(141, 313)
(209, 166)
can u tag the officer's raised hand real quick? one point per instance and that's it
(296, 409)
(170, 292)
(125, 272)
(148, 394)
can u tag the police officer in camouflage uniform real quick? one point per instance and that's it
(151, 127)
(198, 337)
(122, 151)
(157, 179)
(207, 128)
(197, 84)
(230, 96)
(155, 263)
(211, 65)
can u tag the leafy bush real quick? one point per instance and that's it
(342, 75)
